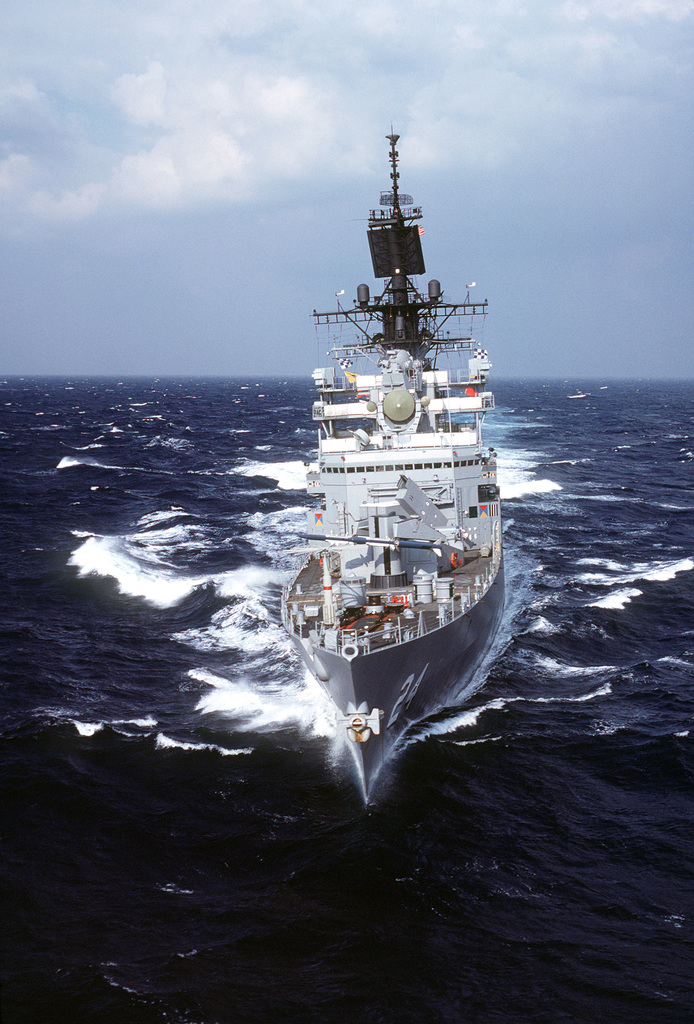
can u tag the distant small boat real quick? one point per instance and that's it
(577, 396)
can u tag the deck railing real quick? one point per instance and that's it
(393, 632)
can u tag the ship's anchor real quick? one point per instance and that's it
(362, 726)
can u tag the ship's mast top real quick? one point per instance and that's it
(394, 174)
(403, 318)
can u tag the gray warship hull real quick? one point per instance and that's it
(408, 681)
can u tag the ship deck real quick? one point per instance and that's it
(306, 597)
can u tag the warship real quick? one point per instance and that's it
(402, 587)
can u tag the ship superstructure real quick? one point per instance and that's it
(402, 590)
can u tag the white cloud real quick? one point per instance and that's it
(16, 172)
(178, 103)
(628, 10)
(142, 97)
(68, 205)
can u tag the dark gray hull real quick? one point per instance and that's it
(408, 681)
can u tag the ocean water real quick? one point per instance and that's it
(183, 841)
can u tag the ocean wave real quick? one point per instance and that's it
(177, 443)
(273, 532)
(660, 572)
(677, 662)
(138, 575)
(244, 625)
(91, 728)
(135, 564)
(543, 626)
(290, 476)
(521, 488)
(516, 476)
(155, 518)
(467, 719)
(166, 743)
(569, 462)
(70, 461)
(618, 600)
(268, 707)
(556, 668)
(88, 728)
(607, 563)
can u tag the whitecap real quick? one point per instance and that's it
(69, 461)
(542, 625)
(246, 581)
(112, 557)
(155, 518)
(166, 743)
(602, 691)
(608, 563)
(274, 532)
(556, 668)
(88, 728)
(268, 707)
(481, 739)
(659, 572)
(290, 476)
(568, 462)
(618, 600)
(469, 718)
(518, 490)
(142, 723)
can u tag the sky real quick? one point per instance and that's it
(182, 182)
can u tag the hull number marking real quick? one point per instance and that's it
(409, 689)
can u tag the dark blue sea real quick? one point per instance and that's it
(183, 841)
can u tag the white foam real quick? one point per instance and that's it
(274, 532)
(608, 563)
(290, 476)
(568, 462)
(69, 462)
(155, 518)
(679, 662)
(88, 728)
(166, 743)
(269, 706)
(654, 571)
(246, 581)
(471, 743)
(556, 668)
(617, 600)
(142, 723)
(542, 625)
(668, 571)
(516, 479)
(144, 576)
(91, 728)
(469, 718)
(522, 488)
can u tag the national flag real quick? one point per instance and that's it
(420, 229)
